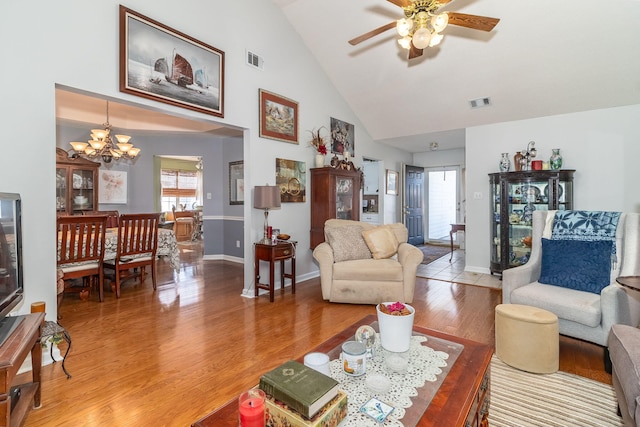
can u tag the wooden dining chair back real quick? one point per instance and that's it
(112, 217)
(81, 249)
(183, 226)
(137, 247)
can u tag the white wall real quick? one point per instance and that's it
(74, 43)
(603, 146)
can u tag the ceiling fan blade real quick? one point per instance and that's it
(475, 22)
(414, 52)
(402, 3)
(372, 33)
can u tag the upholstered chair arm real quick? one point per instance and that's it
(513, 278)
(324, 255)
(619, 305)
(410, 258)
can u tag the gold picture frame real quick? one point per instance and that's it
(278, 117)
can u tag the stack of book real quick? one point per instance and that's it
(302, 397)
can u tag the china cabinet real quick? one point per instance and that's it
(514, 198)
(335, 193)
(76, 184)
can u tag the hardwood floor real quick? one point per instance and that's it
(169, 357)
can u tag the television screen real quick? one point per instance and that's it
(11, 283)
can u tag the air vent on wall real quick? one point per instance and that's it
(254, 60)
(480, 102)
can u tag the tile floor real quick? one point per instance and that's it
(453, 271)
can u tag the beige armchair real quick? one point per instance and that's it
(366, 278)
(584, 315)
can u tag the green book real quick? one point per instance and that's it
(303, 389)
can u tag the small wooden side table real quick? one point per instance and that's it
(631, 282)
(454, 228)
(281, 251)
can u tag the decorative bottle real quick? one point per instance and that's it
(505, 163)
(517, 164)
(555, 161)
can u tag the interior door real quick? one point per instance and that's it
(413, 206)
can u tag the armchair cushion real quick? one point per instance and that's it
(381, 242)
(347, 243)
(575, 264)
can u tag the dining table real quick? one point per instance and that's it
(167, 246)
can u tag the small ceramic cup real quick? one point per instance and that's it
(318, 362)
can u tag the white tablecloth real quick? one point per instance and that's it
(167, 246)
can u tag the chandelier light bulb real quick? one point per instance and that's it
(421, 38)
(439, 22)
(79, 146)
(123, 138)
(404, 26)
(99, 133)
(405, 42)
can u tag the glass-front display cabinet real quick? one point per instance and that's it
(514, 198)
(335, 193)
(76, 184)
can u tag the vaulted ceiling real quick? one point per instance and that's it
(543, 58)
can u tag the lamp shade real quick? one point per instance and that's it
(266, 197)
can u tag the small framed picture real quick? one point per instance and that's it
(278, 117)
(392, 182)
(377, 409)
(236, 183)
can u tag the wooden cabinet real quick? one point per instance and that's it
(335, 193)
(514, 198)
(24, 340)
(76, 184)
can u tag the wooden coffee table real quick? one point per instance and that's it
(461, 400)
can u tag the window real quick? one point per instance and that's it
(178, 187)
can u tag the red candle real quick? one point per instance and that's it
(251, 408)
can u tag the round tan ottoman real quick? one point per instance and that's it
(527, 338)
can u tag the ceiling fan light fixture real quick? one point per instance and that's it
(404, 26)
(405, 42)
(436, 38)
(421, 38)
(439, 22)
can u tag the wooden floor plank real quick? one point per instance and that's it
(171, 356)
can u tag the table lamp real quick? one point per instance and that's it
(266, 197)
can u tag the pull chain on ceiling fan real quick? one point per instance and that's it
(422, 25)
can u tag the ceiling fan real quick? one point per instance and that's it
(422, 25)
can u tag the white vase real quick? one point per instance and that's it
(395, 331)
(319, 160)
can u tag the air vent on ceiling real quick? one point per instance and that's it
(254, 60)
(480, 102)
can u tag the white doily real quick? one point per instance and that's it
(425, 364)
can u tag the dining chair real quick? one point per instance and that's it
(183, 226)
(112, 217)
(137, 246)
(81, 250)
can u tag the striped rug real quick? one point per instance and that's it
(523, 399)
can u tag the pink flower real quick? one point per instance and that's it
(396, 306)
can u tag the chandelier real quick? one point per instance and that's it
(101, 145)
(422, 25)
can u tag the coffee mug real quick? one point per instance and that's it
(536, 165)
